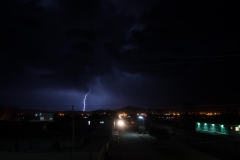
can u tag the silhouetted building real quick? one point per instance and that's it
(46, 116)
(227, 129)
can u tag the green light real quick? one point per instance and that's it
(222, 126)
(198, 123)
(213, 124)
(205, 124)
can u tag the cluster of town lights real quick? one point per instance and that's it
(168, 114)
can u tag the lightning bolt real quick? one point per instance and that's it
(84, 104)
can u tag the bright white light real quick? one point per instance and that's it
(36, 115)
(101, 122)
(140, 117)
(120, 123)
(89, 122)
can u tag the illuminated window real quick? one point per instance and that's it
(236, 128)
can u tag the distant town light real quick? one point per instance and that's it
(36, 115)
(89, 123)
(222, 125)
(198, 123)
(140, 117)
(213, 124)
(101, 122)
(61, 114)
(205, 124)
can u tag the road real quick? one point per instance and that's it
(129, 145)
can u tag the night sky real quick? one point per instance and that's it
(142, 53)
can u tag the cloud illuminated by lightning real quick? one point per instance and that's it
(84, 104)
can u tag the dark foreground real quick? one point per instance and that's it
(127, 144)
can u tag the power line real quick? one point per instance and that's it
(207, 70)
(150, 64)
(182, 57)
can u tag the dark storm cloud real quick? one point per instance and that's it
(188, 43)
(34, 38)
(187, 28)
(47, 45)
(126, 52)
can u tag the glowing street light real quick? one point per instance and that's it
(120, 123)
(141, 117)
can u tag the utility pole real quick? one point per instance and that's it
(73, 126)
(143, 126)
